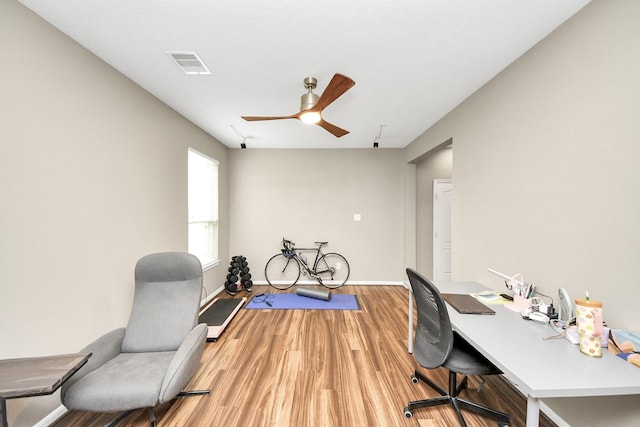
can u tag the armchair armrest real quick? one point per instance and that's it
(103, 349)
(184, 363)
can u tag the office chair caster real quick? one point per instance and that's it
(408, 413)
(414, 379)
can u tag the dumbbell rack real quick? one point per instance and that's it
(239, 277)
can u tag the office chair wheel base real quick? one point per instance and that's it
(414, 379)
(408, 413)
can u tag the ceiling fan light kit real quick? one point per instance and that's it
(311, 105)
(310, 117)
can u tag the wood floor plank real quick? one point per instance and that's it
(317, 368)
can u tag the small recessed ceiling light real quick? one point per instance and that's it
(190, 62)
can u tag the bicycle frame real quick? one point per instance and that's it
(304, 264)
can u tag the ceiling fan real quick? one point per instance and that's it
(312, 105)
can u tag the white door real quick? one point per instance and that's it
(442, 192)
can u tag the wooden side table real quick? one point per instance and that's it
(35, 376)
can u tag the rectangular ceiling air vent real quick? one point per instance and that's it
(190, 62)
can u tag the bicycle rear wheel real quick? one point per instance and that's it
(282, 272)
(333, 269)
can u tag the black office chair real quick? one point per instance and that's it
(437, 344)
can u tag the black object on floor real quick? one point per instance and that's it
(239, 277)
(218, 314)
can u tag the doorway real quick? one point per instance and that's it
(437, 164)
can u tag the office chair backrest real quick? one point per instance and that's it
(166, 302)
(434, 337)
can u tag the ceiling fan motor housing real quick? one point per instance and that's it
(308, 100)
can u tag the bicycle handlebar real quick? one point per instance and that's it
(288, 244)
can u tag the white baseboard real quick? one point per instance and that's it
(358, 283)
(52, 417)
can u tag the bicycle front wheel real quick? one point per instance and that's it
(282, 272)
(333, 269)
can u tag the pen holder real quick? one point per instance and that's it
(589, 323)
(519, 304)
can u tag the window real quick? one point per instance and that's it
(203, 208)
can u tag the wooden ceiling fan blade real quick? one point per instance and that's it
(338, 85)
(258, 118)
(335, 130)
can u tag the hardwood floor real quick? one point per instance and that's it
(317, 368)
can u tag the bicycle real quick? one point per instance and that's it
(282, 271)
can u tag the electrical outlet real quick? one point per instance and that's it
(338, 265)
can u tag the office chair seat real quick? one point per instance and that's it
(465, 359)
(437, 345)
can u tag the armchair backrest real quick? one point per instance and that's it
(168, 288)
(434, 336)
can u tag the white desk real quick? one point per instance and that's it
(538, 368)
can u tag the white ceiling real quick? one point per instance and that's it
(413, 61)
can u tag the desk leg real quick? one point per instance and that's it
(3, 413)
(410, 345)
(533, 411)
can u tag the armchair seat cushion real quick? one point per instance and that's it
(128, 381)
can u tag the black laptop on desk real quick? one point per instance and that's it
(466, 304)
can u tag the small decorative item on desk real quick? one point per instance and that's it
(589, 322)
(626, 345)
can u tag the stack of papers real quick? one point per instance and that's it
(490, 297)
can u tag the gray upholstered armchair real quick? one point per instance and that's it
(151, 360)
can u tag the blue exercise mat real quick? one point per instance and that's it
(297, 302)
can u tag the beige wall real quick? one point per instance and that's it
(546, 169)
(309, 195)
(545, 166)
(93, 176)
